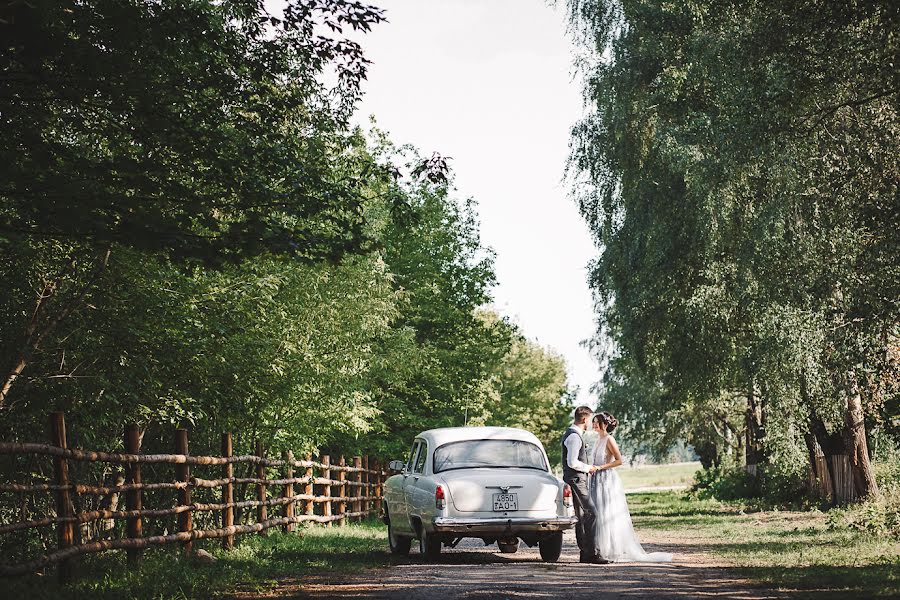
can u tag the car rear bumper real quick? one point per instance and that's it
(508, 525)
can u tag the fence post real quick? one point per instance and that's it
(183, 474)
(357, 489)
(288, 491)
(308, 489)
(227, 490)
(133, 498)
(342, 492)
(261, 512)
(326, 491)
(378, 480)
(366, 487)
(65, 531)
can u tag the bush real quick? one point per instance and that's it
(887, 476)
(732, 482)
(724, 483)
(780, 487)
(879, 516)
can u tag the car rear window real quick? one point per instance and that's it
(489, 453)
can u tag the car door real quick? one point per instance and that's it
(417, 497)
(400, 513)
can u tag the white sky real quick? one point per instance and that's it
(488, 83)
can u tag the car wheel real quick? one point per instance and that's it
(551, 547)
(508, 547)
(398, 544)
(429, 545)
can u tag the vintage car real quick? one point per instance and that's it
(492, 483)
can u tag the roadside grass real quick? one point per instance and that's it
(812, 552)
(646, 476)
(254, 565)
(783, 549)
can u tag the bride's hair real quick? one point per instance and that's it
(610, 421)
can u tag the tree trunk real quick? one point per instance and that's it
(708, 453)
(815, 437)
(753, 450)
(831, 444)
(729, 443)
(855, 441)
(818, 475)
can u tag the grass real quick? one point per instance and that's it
(680, 474)
(785, 549)
(823, 555)
(255, 565)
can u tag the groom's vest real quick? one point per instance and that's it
(582, 453)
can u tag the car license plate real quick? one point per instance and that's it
(506, 502)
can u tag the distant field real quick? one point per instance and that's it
(654, 476)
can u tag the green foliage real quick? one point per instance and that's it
(531, 392)
(724, 483)
(306, 356)
(879, 516)
(255, 565)
(780, 548)
(770, 487)
(432, 370)
(739, 172)
(192, 236)
(197, 129)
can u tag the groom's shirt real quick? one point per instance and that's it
(574, 452)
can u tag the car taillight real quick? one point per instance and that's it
(440, 500)
(567, 495)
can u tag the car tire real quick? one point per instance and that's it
(398, 544)
(429, 546)
(551, 547)
(508, 548)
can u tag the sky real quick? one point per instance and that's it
(489, 83)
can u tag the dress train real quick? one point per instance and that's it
(613, 531)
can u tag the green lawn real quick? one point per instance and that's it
(254, 565)
(785, 549)
(681, 474)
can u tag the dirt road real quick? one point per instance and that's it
(473, 571)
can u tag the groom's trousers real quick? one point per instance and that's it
(586, 513)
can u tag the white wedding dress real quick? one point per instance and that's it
(613, 532)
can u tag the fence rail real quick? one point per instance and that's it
(345, 493)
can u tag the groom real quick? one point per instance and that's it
(575, 472)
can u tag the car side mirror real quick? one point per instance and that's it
(396, 465)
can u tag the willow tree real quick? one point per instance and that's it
(740, 174)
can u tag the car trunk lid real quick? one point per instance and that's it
(475, 490)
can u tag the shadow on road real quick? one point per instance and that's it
(474, 571)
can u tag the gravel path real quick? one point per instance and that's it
(475, 571)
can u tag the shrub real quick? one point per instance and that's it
(879, 516)
(732, 482)
(887, 476)
(725, 483)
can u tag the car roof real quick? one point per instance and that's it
(445, 435)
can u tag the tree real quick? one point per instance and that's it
(531, 391)
(738, 173)
(435, 366)
(195, 130)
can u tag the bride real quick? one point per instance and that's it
(614, 534)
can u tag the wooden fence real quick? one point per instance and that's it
(331, 492)
(839, 491)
